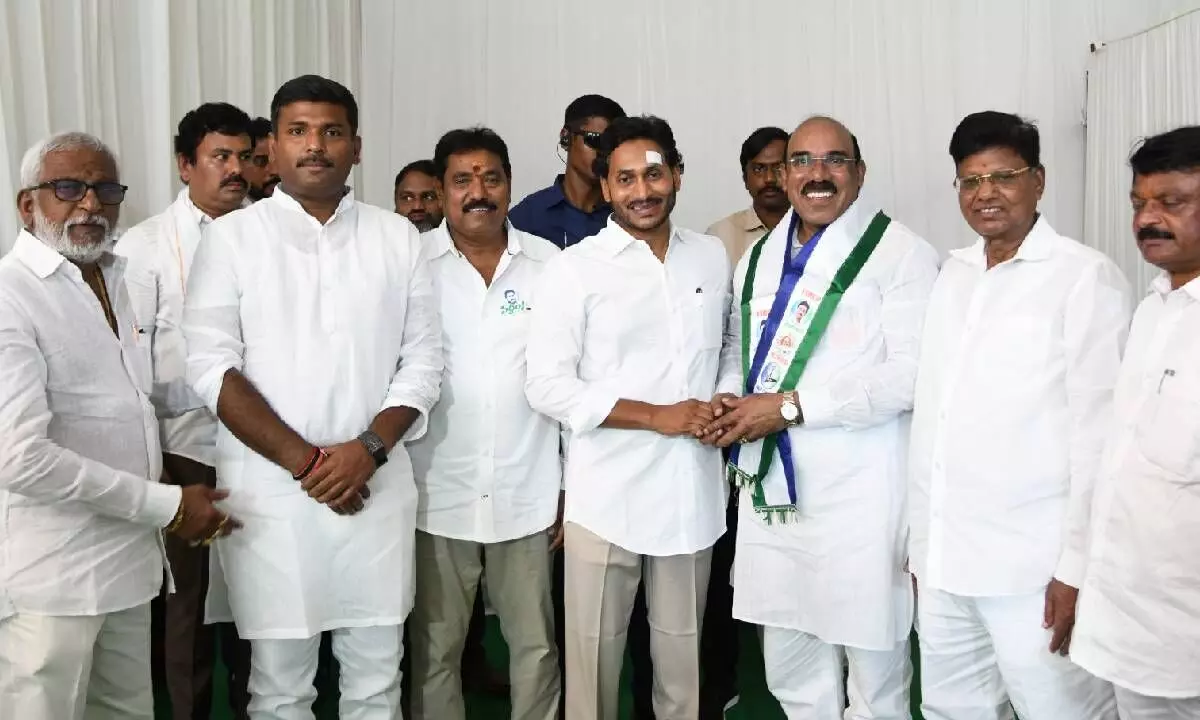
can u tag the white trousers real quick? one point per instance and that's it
(804, 673)
(92, 667)
(979, 654)
(1132, 706)
(282, 672)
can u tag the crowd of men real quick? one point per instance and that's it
(320, 417)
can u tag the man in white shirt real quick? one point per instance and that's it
(488, 471)
(1140, 599)
(212, 150)
(80, 502)
(761, 161)
(624, 351)
(1019, 355)
(827, 319)
(312, 334)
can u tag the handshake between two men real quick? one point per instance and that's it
(726, 419)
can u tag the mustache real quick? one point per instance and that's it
(819, 186)
(644, 201)
(271, 180)
(315, 160)
(235, 179)
(88, 220)
(770, 187)
(1153, 233)
(481, 204)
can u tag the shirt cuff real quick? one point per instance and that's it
(818, 409)
(161, 504)
(208, 386)
(417, 430)
(1070, 569)
(594, 407)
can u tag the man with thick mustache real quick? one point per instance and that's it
(1019, 356)
(212, 150)
(83, 510)
(259, 172)
(761, 161)
(1140, 595)
(819, 435)
(625, 352)
(312, 334)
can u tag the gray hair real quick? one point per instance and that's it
(35, 157)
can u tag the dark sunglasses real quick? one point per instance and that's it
(591, 138)
(108, 193)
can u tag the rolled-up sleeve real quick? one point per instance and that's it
(212, 326)
(36, 467)
(418, 378)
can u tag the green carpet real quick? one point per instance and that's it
(756, 702)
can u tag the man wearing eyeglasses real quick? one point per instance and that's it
(761, 161)
(259, 173)
(1019, 357)
(82, 506)
(417, 195)
(819, 435)
(213, 150)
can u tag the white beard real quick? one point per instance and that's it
(59, 239)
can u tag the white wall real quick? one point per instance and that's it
(900, 74)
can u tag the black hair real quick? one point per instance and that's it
(757, 142)
(644, 127)
(317, 89)
(425, 167)
(589, 106)
(466, 140)
(260, 128)
(1175, 150)
(990, 129)
(221, 118)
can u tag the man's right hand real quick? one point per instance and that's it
(689, 417)
(201, 519)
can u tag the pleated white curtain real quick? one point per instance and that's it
(127, 70)
(1138, 86)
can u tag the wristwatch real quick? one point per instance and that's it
(790, 410)
(374, 445)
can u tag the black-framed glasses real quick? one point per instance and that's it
(999, 178)
(108, 193)
(591, 138)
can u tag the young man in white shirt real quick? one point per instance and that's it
(212, 150)
(827, 318)
(625, 352)
(1019, 355)
(80, 552)
(417, 194)
(761, 162)
(1140, 598)
(312, 333)
(260, 174)
(488, 471)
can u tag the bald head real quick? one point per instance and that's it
(825, 171)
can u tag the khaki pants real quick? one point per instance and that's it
(447, 578)
(602, 581)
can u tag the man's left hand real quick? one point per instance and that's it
(341, 482)
(746, 419)
(1059, 614)
(556, 530)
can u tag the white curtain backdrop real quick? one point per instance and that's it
(1138, 86)
(127, 70)
(899, 74)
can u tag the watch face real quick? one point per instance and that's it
(789, 411)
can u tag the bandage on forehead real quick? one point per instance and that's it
(653, 158)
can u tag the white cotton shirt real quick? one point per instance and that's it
(1138, 607)
(1013, 404)
(160, 252)
(332, 324)
(81, 507)
(611, 322)
(836, 570)
(488, 469)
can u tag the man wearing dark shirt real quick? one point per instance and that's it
(572, 207)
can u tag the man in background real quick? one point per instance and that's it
(417, 195)
(761, 161)
(259, 173)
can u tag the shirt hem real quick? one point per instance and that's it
(1112, 676)
(304, 633)
(827, 638)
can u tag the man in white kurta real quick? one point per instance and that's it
(312, 334)
(1140, 598)
(820, 556)
(1019, 355)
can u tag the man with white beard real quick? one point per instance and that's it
(81, 554)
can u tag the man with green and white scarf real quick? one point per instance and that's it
(827, 316)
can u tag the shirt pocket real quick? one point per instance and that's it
(706, 318)
(1169, 433)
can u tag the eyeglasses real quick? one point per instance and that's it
(765, 170)
(108, 193)
(591, 138)
(833, 161)
(1000, 178)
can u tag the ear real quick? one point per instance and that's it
(1039, 181)
(357, 149)
(676, 178)
(564, 139)
(185, 168)
(25, 207)
(860, 169)
(604, 190)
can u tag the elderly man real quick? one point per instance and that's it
(761, 161)
(313, 336)
(1021, 346)
(418, 194)
(820, 435)
(213, 151)
(80, 551)
(1141, 586)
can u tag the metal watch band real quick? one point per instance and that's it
(374, 445)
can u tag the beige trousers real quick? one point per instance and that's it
(601, 583)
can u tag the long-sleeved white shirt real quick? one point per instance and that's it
(488, 469)
(332, 324)
(1138, 608)
(81, 508)
(1014, 398)
(160, 252)
(611, 322)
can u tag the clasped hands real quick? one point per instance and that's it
(724, 420)
(339, 477)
